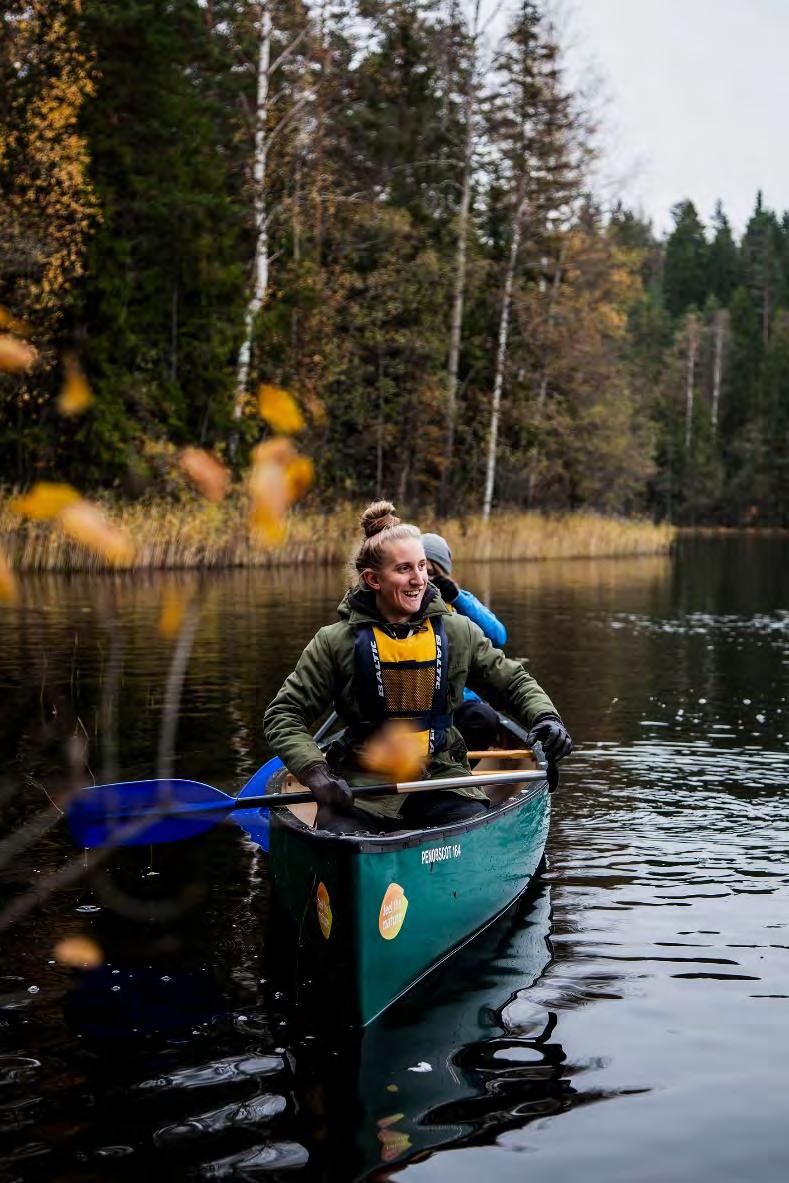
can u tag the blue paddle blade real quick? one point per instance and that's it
(255, 821)
(140, 812)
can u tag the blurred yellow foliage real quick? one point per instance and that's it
(299, 475)
(278, 477)
(16, 355)
(280, 410)
(76, 396)
(78, 952)
(205, 471)
(8, 589)
(45, 500)
(396, 752)
(85, 523)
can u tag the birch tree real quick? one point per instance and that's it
(459, 284)
(260, 265)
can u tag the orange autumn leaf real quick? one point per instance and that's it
(205, 471)
(396, 752)
(9, 593)
(78, 952)
(172, 614)
(15, 355)
(280, 410)
(299, 475)
(85, 523)
(45, 500)
(267, 527)
(75, 396)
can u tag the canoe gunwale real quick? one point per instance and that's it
(405, 839)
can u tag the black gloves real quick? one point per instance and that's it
(447, 587)
(326, 788)
(554, 737)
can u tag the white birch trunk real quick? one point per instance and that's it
(501, 357)
(459, 287)
(693, 345)
(717, 367)
(261, 261)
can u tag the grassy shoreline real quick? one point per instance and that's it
(196, 535)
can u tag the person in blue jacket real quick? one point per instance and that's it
(477, 722)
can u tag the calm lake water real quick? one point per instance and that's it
(629, 1024)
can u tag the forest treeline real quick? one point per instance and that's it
(370, 205)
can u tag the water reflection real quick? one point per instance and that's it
(664, 986)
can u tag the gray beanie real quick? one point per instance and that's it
(437, 550)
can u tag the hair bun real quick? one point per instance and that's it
(378, 516)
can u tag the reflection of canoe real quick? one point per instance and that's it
(373, 914)
(438, 1068)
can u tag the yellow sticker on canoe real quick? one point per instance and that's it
(393, 909)
(323, 908)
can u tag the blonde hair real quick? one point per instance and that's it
(380, 526)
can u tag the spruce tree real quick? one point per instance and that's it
(724, 269)
(685, 267)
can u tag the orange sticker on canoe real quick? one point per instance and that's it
(323, 908)
(393, 909)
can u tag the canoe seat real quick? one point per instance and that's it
(502, 761)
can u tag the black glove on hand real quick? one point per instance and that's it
(326, 788)
(447, 587)
(553, 735)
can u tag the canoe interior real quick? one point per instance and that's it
(368, 916)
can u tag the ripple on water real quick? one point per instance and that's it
(216, 1121)
(14, 1069)
(274, 1156)
(225, 1071)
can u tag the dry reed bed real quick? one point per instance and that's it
(197, 535)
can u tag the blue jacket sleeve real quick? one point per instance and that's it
(468, 605)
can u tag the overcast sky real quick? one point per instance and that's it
(698, 99)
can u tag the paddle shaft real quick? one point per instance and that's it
(385, 790)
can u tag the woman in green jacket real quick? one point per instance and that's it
(398, 653)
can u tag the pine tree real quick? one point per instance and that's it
(685, 267)
(724, 270)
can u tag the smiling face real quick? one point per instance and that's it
(401, 581)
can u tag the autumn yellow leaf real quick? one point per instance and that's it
(266, 527)
(278, 477)
(76, 396)
(172, 614)
(16, 355)
(45, 500)
(299, 475)
(13, 324)
(78, 952)
(280, 410)
(205, 471)
(85, 523)
(9, 593)
(396, 752)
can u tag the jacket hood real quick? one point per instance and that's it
(358, 606)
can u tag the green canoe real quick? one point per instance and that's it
(369, 916)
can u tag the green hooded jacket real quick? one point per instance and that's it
(324, 677)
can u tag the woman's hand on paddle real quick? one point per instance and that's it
(326, 788)
(554, 737)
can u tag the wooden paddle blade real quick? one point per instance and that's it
(140, 812)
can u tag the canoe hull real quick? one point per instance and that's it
(371, 916)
